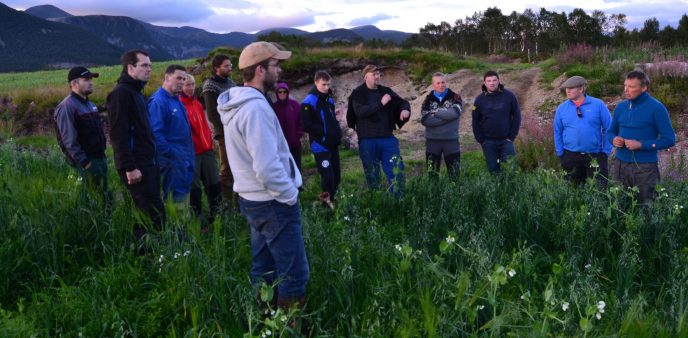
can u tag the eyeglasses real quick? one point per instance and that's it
(281, 92)
(579, 112)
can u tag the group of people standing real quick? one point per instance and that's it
(166, 142)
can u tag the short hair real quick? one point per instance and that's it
(173, 68)
(130, 57)
(640, 76)
(249, 72)
(490, 73)
(188, 77)
(322, 75)
(218, 60)
(436, 74)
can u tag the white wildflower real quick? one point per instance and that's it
(450, 239)
(186, 253)
(480, 307)
(601, 305)
(346, 218)
(588, 266)
(161, 259)
(398, 247)
(512, 272)
(565, 306)
(176, 255)
(268, 332)
(598, 316)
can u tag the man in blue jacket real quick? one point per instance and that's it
(640, 127)
(320, 122)
(173, 143)
(496, 120)
(579, 127)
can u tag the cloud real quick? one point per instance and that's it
(225, 23)
(369, 20)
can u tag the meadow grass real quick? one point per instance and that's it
(520, 254)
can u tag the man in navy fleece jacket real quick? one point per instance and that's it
(640, 127)
(496, 120)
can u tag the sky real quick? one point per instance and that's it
(250, 16)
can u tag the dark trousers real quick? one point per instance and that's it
(146, 196)
(296, 154)
(645, 176)
(95, 179)
(435, 149)
(579, 166)
(329, 169)
(497, 152)
(226, 178)
(206, 176)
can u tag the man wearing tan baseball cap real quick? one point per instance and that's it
(265, 175)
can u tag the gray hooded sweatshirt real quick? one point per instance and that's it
(258, 154)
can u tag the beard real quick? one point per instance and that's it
(269, 82)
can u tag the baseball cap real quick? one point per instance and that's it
(260, 51)
(78, 72)
(573, 82)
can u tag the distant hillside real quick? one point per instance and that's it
(370, 32)
(29, 43)
(162, 43)
(283, 31)
(122, 32)
(47, 12)
(339, 34)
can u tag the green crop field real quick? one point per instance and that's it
(521, 254)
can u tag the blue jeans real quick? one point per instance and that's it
(277, 246)
(497, 152)
(385, 151)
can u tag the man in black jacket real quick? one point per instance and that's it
(132, 140)
(496, 120)
(374, 112)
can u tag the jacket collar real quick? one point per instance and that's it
(124, 78)
(500, 89)
(639, 99)
(79, 98)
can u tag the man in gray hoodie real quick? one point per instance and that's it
(265, 175)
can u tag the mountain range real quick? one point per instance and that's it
(47, 37)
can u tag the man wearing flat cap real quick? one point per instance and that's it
(80, 132)
(266, 177)
(580, 124)
(374, 112)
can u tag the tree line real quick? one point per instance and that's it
(542, 33)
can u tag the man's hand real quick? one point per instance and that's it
(134, 176)
(618, 141)
(88, 165)
(633, 144)
(405, 114)
(385, 98)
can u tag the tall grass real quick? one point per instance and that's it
(480, 256)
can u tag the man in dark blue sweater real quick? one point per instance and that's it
(496, 120)
(640, 127)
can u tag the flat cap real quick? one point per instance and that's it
(573, 82)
